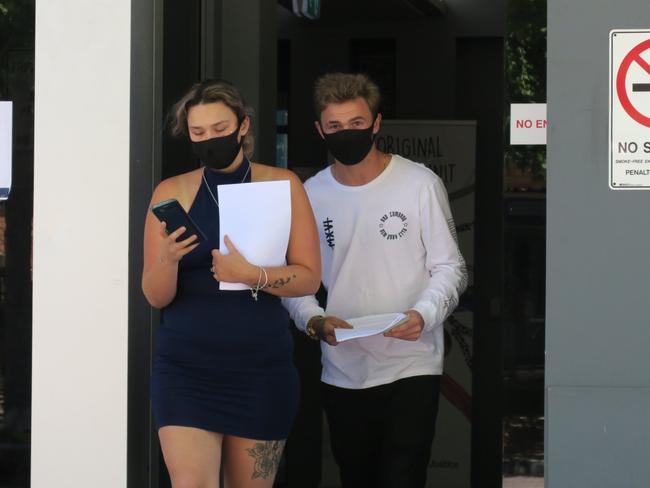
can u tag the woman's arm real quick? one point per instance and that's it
(302, 274)
(162, 253)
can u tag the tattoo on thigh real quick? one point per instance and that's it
(267, 458)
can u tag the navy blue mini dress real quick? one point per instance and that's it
(223, 361)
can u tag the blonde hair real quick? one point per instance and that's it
(212, 91)
(343, 87)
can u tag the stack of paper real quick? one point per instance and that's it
(370, 325)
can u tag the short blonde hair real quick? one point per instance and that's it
(212, 91)
(343, 87)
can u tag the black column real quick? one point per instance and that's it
(480, 96)
(145, 165)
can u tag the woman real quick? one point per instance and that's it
(223, 381)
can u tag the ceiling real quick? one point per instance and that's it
(377, 10)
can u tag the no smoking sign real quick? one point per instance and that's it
(629, 109)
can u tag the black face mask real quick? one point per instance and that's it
(350, 146)
(218, 152)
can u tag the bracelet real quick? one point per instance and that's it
(255, 291)
(310, 330)
(266, 278)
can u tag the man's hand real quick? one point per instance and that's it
(326, 326)
(409, 331)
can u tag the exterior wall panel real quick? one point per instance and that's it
(80, 269)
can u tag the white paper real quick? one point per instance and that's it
(257, 219)
(369, 325)
(5, 148)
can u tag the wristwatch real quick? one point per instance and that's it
(310, 330)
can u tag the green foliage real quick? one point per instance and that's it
(526, 51)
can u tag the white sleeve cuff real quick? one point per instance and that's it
(301, 309)
(428, 312)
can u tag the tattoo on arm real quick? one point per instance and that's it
(279, 283)
(267, 458)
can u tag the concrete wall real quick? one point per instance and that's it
(81, 214)
(597, 339)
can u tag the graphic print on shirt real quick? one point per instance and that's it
(463, 265)
(328, 227)
(393, 225)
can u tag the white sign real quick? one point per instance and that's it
(5, 148)
(528, 124)
(629, 109)
(449, 149)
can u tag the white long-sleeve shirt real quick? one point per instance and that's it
(386, 246)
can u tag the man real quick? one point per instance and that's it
(387, 245)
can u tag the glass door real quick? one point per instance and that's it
(525, 255)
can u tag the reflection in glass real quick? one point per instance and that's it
(525, 256)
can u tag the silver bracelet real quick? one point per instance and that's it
(266, 278)
(256, 290)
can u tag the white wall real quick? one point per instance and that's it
(81, 200)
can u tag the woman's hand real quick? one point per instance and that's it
(161, 251)
(233, 267)
(172, 251)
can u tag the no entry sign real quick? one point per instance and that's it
(629, 109)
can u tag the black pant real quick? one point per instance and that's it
(381, 437)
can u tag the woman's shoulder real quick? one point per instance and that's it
(264, 172)
(179, 186)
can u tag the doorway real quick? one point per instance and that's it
(436, 63)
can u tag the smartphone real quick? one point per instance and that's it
(174, 215)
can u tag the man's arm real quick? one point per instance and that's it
(301, 309)
(446, 266)
(304, 309)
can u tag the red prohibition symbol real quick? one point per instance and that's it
(634, 56)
